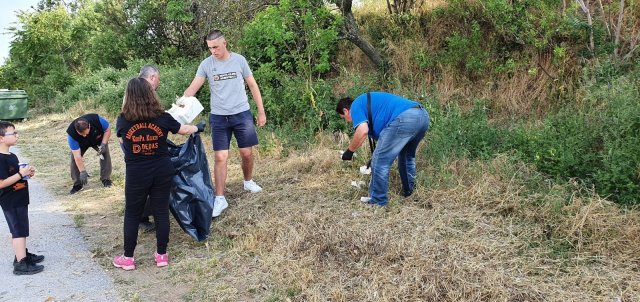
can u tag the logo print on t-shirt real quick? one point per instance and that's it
(225, 76)
(144, 138)
(19, 186)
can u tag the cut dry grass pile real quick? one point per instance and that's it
(308, 238)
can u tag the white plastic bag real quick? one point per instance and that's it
(185, 109)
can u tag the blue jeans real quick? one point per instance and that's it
(400, 139)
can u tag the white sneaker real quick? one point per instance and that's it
(252, 186)
(219, 205)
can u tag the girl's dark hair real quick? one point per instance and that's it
(140, 101)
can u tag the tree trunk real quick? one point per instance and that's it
(351, 33)
(616, 42)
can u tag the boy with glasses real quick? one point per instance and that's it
(14, 200)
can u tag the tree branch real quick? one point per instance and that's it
(618, 29)
(351, 32)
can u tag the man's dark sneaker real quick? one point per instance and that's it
(106, 183)
(26, 267)
(31, 257)
(147, 226)
(75, 189)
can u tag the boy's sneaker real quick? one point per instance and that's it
(125, 263)
(26, 267)
(75, 189)
(252, 186)
(33, 258)
(106, 183)
(219, 205)
(161, 259)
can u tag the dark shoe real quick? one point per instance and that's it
(33, 258)
(106, 183)
(26, 267)
(75, 189)
(147, 226)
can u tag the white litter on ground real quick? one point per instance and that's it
(365, 170)
(357, 183)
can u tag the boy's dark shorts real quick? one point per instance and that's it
(18, 221)
(241, 125)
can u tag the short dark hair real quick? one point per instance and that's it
(4, 126)
(81, 124)
(344, 103)
(213, 35)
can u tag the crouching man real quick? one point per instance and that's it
(89, 131)
(398, 124)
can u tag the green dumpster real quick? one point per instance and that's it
(13, 104)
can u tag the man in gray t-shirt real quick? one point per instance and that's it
(227, 72)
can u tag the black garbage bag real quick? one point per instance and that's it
(192, 194)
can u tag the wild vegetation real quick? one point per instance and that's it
(528, 179)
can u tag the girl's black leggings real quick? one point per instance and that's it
(136, 192)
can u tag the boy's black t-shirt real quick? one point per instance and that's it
(17, 194)
(145, 146)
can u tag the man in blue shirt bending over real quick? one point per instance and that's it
(89, 131)
(398, 124)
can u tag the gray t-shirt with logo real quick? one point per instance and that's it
(226, 81)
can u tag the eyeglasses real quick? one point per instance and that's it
(10, 134)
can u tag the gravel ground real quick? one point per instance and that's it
(70, 274)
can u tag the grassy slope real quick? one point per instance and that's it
(494, 236)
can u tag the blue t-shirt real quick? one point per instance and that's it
(385, 107)
(74, 145)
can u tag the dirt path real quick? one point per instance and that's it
(70, 273)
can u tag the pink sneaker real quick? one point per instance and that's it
(161, 259)
(125, 263)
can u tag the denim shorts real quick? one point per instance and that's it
(240, 124)
(18, 221)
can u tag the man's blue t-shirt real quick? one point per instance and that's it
(74, 145)
(385, 107)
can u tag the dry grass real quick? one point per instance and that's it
(308, 238)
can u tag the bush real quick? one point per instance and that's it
(106, 86)
(564, 147)
(289, 46)
(597, 141)
(457, 134)
(619, 177)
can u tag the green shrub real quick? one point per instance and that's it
(565, 146)
(289, 46)
(597, 141)
(619, 177)
(106, 86)
(457, 134)
(466, 51)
